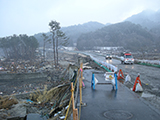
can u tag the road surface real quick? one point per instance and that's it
(149, 76)
(105, 103)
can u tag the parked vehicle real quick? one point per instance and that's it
(108, 56)
(127, 58)
(1, 68)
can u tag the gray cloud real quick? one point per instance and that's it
(32, 16)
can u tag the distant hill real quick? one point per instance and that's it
(146, 18)
(38, 36)
(150, 20)
(129, 35)
(73, 32)
(140, 32)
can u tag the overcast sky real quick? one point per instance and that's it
(33, 16)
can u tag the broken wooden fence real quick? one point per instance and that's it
(76, 88)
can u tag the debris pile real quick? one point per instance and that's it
(49, 98)
(22, 66)
(7, 102)
(46, 103)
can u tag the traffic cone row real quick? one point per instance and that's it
(137, 81)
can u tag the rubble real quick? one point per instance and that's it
(43, 96)
(7, 102)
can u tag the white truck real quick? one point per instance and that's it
(127, 58)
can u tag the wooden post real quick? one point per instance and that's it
(75, 111)
(75, 114)
(72, 90)
(80, 82)
(82, 70)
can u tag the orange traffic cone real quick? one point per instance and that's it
(120, 75)
(135, 83)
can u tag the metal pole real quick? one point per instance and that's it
(93, 82)
(115, 75)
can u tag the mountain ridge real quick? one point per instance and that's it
(146, 18)
(127, 34)
(74, 31)
(143, 26)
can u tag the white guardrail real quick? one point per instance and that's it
(153, 62)
(108, 65)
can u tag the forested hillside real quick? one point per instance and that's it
(148, 19)
(129, 35)
(140, 32)
(19, 47)
(73, 32)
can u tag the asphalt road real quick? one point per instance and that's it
(150, 76)
(105, 103)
